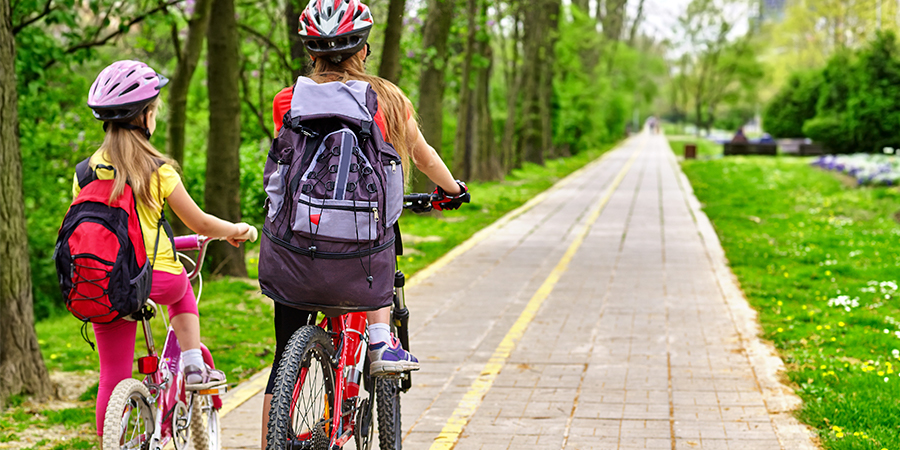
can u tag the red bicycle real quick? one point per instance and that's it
(317, 403)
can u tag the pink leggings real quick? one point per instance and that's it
(115, 341)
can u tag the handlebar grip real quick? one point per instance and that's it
(187, 243)
(250, 235)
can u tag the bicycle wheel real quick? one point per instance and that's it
(387, 396)
(128, 423)
(206, 433)
(303, 399)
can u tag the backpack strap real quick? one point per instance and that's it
(84, 173)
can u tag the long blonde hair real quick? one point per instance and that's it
(394, 105)
(134, 158)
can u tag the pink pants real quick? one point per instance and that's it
(115, 341)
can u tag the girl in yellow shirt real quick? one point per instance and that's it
(125, 96)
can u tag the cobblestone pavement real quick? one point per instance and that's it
(600, 316)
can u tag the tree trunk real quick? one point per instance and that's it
(184, 72)
(583, 5)
(390, 52)
(21, 366)
(539, 27)
(552, 8)
(613, 19)
(632, 36)
(463, 150)
(488, 165)
(299, 60)
(431, 81)
(223, 170)
(508, 144)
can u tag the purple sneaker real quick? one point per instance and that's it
(389, 358)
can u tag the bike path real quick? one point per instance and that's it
(600, 316)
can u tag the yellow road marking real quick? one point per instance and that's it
(486, 232)
(245, 392)
(470, 402)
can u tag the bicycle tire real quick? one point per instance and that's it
(310, 348)
(206, 431)
(387, 398)
(128, 396)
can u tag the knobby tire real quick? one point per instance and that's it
(387, 398)
(206, 431)
(310, 347)
(129, 395)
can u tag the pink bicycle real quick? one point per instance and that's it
(149, 414)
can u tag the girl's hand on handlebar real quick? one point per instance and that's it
(245, 232)
(443, 201)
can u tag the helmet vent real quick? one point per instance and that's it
(130, 88)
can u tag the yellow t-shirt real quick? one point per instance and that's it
(165, 257)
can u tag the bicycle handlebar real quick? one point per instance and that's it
(199, 242)
(419, 203)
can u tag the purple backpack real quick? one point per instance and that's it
(335, 192)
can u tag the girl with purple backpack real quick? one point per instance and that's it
(335, 33)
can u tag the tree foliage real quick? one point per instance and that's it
(852, 104)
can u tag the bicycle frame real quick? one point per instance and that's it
(165, 376)
(350, 339)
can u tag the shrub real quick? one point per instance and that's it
(794, 104)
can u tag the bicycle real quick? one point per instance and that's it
(148, 415)
(316, 403)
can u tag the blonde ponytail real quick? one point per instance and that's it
(134, 158)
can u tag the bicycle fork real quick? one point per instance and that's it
(400, 316)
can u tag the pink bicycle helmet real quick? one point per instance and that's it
(336, 29)
(123, 89)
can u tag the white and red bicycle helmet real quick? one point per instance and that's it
(336, 29)
(123, 89)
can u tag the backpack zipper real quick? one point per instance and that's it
(343, 207)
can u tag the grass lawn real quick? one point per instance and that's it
(706, 149)
(236, 320)
(819, 260)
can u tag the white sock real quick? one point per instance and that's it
(193, 357)
(379, 332)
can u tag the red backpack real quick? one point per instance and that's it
(101, 261)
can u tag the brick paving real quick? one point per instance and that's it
(645, 342)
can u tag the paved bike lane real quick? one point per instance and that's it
(600, 316)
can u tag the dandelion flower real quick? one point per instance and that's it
(780, 329)
(840, 324)
(780, 303)
(840, 435)
(818, 327)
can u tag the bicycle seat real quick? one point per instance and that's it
(147, 312)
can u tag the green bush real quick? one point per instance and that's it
(856, 97)
(831, 131)
(794, 104)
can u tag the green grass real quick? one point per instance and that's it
(236, 322)
(706, 149)
(796, 238)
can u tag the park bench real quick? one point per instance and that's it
(749, 148)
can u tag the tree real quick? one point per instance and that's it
(21, 365)
(299, 60)
(540, 24)
(431, 80)
(389, 68)
(187, 56)
(223, 170)
(720, 67)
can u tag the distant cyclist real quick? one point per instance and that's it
(125, 96)
(335, 33)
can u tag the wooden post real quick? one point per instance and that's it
(690, 151)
